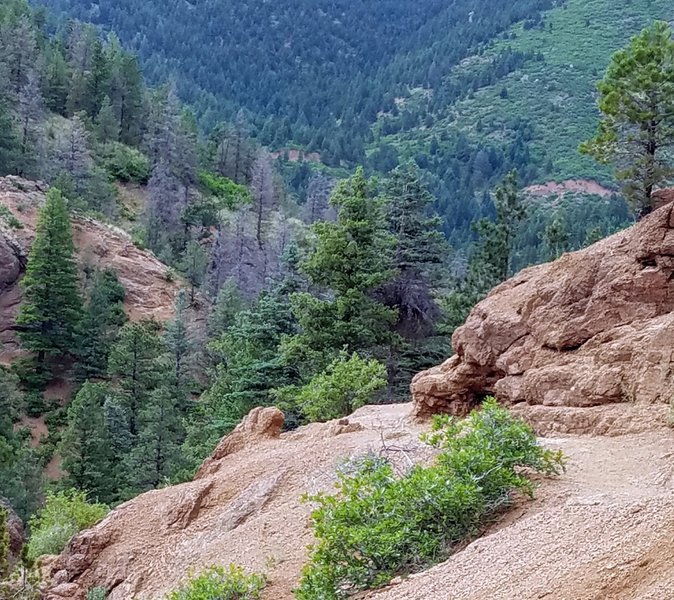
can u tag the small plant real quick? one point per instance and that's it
(63, 515)
(380, 525)
(219, 583)
(97, 593)
(170, 275)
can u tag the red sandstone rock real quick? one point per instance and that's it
(592, 328)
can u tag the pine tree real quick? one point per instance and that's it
(107, 123)
(556, 238)
(157, 455)
(350, 260)
(420, 252)
(636, 98)
(8, 142)
(134, 364)
(228, 304)
(179, 345)
(85, 447)
(120, 443)
(51, 310)
(194, 265)
(102, 319)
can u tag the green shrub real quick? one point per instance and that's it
(97, 593)
(63, 515)
(219, 583)
(380, 525)
(125, 163)
(347, 384)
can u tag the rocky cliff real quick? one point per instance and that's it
(592, 329)
(150, 293)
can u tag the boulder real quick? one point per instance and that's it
(593, 328)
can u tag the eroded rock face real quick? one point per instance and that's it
(592, 328)
(15, 529)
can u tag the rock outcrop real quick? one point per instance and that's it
(150, 289)
(593, 328)
(15, 529)
(244, 506)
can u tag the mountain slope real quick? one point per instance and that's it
(552, 92)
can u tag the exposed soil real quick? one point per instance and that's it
(573, 186)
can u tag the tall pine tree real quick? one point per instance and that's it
(48, 319)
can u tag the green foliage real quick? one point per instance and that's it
(86, 447)
(97, 593)
(380, 525)
(4, 544)
(351, 258)
(103, 317)
(52, 305)
(20, 471)
(224, 192)
(249, 366)
(194, 264)
(125, 163)
(636, 98)
(219, 583)
(135, 366)
(64, 515)
(347, 384)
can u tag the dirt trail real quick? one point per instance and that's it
(603, 531)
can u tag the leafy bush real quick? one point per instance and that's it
(63, 515)
(380, 525)
(219, 583)
(347, 384)
(125, 163)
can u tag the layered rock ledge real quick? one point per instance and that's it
(593, 328)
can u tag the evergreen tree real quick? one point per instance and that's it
(179, 345)
(420, 251)
(51, 310)
(157, 455)
(636, 98)
(8, 143)
(107, 123)
(102, 319)
(120, 442)
(556, 238)
(228, 304)
(248, 367)
(194, 264)
(4, 544)
(349, 261)
(20, 471)
(85, 447)
(134, 364)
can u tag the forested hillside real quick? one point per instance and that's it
(468, 90)
(313, 73)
